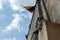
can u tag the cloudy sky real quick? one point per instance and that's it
(14, 20)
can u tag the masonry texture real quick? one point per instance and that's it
(49, 27)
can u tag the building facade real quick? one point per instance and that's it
(45, 23)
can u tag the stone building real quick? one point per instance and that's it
(45, 23)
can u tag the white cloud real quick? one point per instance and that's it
(1, 3)
(5, 39)
(24, 15)
(21, 9)
(14, 24)
(14, 5)
(14, 38)
(1, 6)
(26, 2)
(30, 15)
(10, 39)
(2, 17)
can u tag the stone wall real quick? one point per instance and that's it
(50, 31)
(53, 31)
(33, 23)
(53, 8)
(43, 34)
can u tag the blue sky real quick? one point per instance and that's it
(14, 20)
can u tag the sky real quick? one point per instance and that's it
(14, 20)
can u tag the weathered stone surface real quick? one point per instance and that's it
(53, 31)
(53, 8)
(50, 30)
